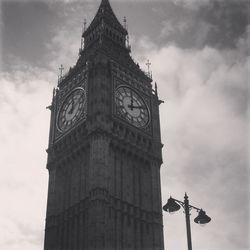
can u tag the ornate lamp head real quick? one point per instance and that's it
(202, 218)
(171, 206)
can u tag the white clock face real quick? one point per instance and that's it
(72, 109)
(131, 106)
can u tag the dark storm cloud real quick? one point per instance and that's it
(34, 31)
(26, 30)
(215, 23)
(30, 28)
(228, 20)
(219, 24)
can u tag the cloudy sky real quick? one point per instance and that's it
(200, 60)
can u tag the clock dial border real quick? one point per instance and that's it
(127, 115)
(81, 116)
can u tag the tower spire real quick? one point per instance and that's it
(105, 3)
(105, 13)
(105, 24)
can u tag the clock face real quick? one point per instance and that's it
(131, 106)
(72, 109)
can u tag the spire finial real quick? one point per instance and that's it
(61, 71)
(84, 29)
(148, 64)
(156, 89)
(104, 3)
(84, 24)
(149, 72)
(125, 22)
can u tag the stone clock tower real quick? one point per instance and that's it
(104, 152)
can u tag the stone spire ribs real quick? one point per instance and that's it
(105, 23)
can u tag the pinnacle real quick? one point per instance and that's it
(105, 3)
(105, 12)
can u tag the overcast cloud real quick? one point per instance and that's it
(199, 52)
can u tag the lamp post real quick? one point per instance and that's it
(173, 205)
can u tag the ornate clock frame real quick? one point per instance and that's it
(137, 87)
(77, 81)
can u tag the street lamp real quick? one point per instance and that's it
(173, 205)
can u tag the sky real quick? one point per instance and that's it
(199, 50)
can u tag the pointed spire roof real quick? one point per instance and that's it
(105, 13)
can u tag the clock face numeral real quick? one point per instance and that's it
(131, 106)
(72, 109)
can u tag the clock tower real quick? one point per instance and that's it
(104, 153)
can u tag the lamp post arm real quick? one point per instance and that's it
(195, 208)
(180, 202)
(190, 206)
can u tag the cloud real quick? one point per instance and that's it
(66, 39)
(170, 27)
(49, 33)
(25, 30)
(229, 21)
(64, 47)
(217, 24)
(23, 140)
(193, 4)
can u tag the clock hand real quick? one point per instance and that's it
(72, 106)
(132, 101)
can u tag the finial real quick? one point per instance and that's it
(127, 42)
(148, 64)
(84, 24)
(125, 25)
(82, 44)
(61, 71)
(156, 89)
(54, 92)
(82, 39)
(125, 22)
